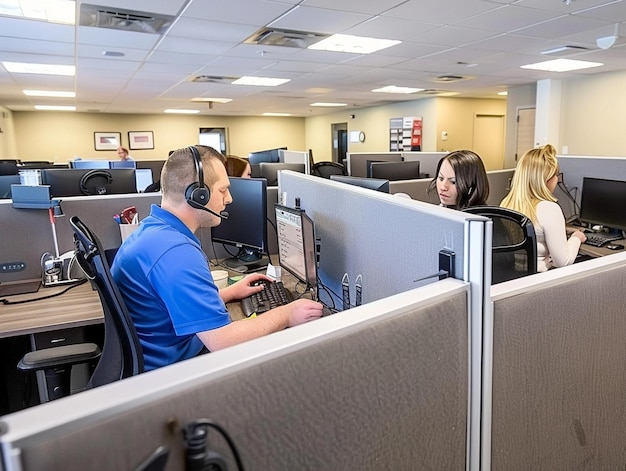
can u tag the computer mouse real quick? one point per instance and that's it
(614, 246)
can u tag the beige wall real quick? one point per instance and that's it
(456, 117)
(593, 119)
(8, 148)
(58, 137)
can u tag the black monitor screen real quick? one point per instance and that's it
(269, 170)
(246, 225)
(371, 183)
(5, 185)
(296, 244)
(270, 155)
(394, 171)
(79, 182)
(602, 202)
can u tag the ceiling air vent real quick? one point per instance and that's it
(284, 38)
(448, 78)
(564, 50)
(126, 20)
(212, 79)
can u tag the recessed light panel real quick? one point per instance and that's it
(260, 81)
(181, 111)
(41, 69)
(52, 11)
(49, 93)
(353, 44)
(54, 108)
(211, 100)
(394, 89)
(562, 65)
(276, 114)
(329, 105)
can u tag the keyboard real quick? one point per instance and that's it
(600, 239)
(274, 295)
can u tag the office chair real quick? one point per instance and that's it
(121, 355)
(326, 169)
(514, 251)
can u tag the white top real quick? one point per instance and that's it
(554, 249)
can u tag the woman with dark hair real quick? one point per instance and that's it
(237, 167)
(461, 180)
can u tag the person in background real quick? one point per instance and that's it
(123, 154)
(535, 178)
(460, 180)
(165, 277)
(237, 167)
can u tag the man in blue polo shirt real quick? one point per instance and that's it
(165, 278)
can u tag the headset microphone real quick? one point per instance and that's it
(221, 214)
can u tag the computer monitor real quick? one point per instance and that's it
(143, 179)
(602, 202)
(296, 244)
(5, 185)
(122, 164)
(246, 226)
(9, 167)
(79, 182)
(370, 183)
(269, 170)
(394, 171)
(89, 164)
(270, 155)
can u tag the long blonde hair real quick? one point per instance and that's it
(529, 185)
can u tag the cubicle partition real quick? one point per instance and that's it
(428, 161)
(575, 168)
(383, 386)
(559, 370)
(357, 161)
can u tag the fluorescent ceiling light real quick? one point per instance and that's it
(330, 105)
(561, 65)
(53, 11)
(50, 93)
(55, 108)
(41, 69)
(276, 114)
(394, 89)
(260, 81)
(503, 93)
(353, 44)
(181, 111)
(211, 100)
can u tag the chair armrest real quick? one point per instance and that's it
(59, 356)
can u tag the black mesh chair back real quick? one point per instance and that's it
(122, 355)
(514, 243)
(326, 169)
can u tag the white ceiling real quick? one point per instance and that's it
(485, 41)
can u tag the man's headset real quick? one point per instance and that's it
(197, 194)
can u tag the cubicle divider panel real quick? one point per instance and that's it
(393, 243)
(97, 213)
(559, 373)
(381, 387)
(26, 236)
(499, 185)
(575, 168)
(357, 161)
(416, 189)
(428, 161)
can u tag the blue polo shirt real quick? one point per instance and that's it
(165, 280)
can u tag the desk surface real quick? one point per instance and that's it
(78, 307)
(597, 251)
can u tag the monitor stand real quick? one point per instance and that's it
(247, 260)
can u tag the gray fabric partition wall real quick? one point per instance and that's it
(382, 387)
(575, 168)
(391, 242)
(357, 162)
(559, 370)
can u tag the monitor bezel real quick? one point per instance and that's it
(609, 198)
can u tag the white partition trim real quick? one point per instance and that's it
(90, 407)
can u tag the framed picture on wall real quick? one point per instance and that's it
(140, 140)
(107, 140)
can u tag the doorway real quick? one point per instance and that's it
(339, 133)
(489, 140)
(525, 131)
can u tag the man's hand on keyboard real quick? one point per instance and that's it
(243, 288)
(303, 310)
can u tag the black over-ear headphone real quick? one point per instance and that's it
(100, 189)
(197, 194)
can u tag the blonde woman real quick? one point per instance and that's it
(536, 176)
